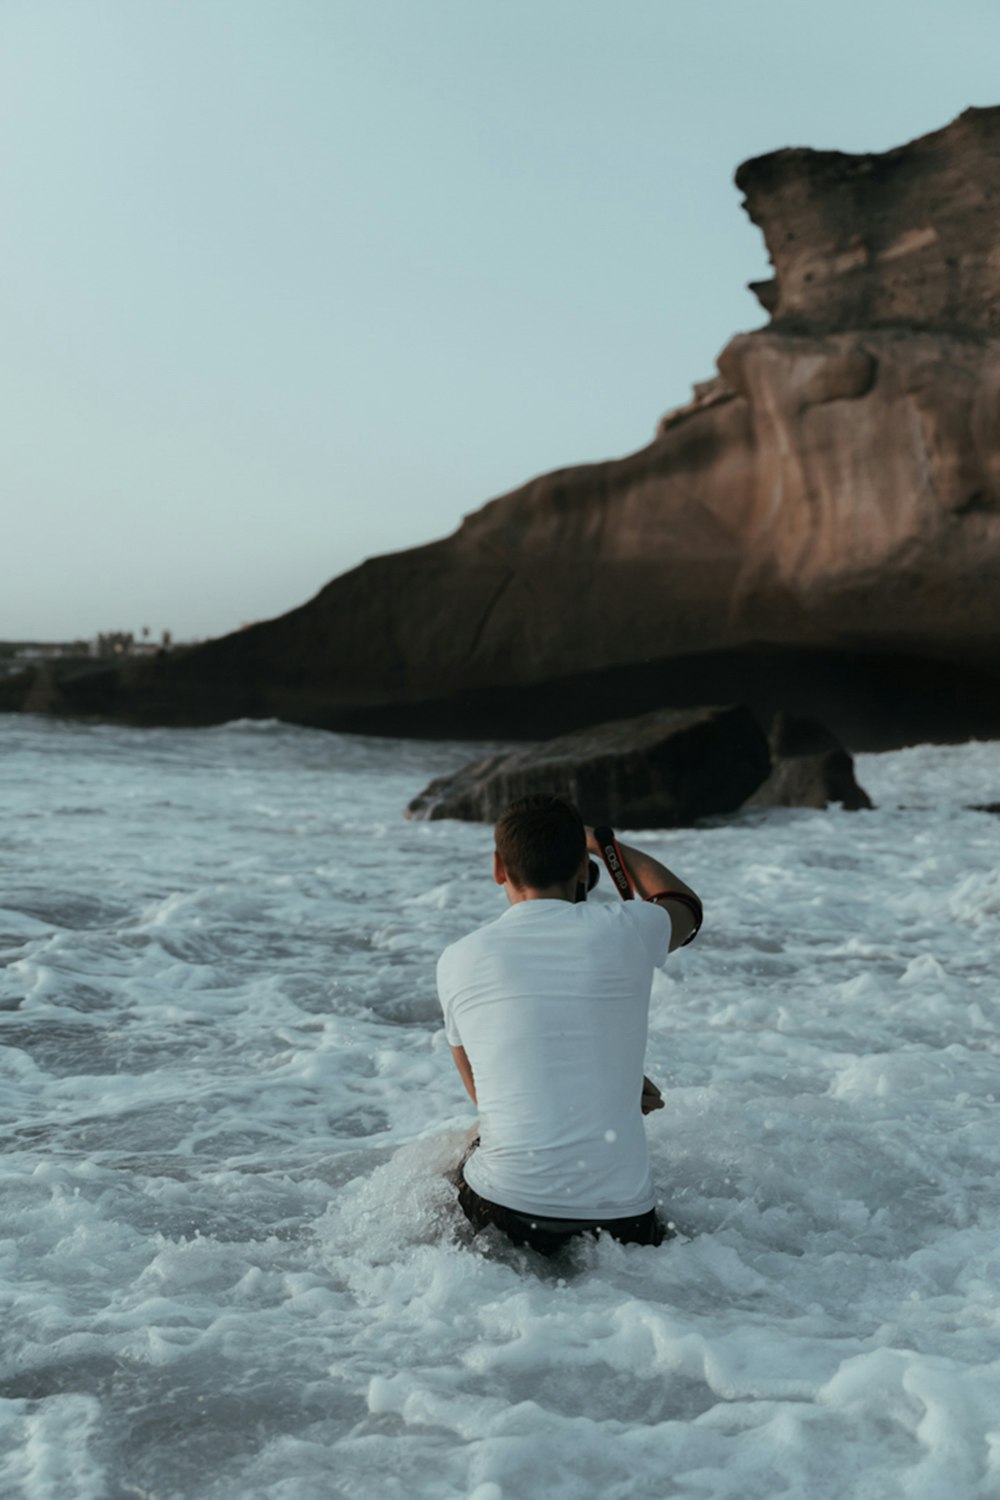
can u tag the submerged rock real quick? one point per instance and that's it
(662, 770)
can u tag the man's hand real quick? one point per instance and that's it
(651, 1097)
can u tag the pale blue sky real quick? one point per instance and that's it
(287, 284)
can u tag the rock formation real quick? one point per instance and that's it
(819, 529)
(809, 768)
(664, 769)
(661, 770)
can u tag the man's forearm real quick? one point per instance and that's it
(649, 875)
(652, 879)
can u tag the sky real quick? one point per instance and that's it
(290, 284)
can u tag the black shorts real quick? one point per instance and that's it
(550, 1235)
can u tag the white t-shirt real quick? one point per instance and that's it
(551, 1003)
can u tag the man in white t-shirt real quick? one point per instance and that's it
(546, 1012)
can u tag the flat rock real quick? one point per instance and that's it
(660, 770)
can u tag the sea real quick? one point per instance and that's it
(231, 1263)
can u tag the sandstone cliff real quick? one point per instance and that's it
(819, 529)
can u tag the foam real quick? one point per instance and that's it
(231, 1262)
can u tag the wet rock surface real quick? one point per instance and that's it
(661, 770)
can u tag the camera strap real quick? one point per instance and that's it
(611, 854)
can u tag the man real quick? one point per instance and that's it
(546, 1012)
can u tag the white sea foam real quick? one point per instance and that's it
(231, 1264)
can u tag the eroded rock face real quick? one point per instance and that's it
(819, 529)
(876, 489)
(661, 770)
(908, 238)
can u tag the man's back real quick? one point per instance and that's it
(550, 1002)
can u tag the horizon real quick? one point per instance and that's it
(290, 290)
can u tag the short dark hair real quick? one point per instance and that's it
(541, 840)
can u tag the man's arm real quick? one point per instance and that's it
(465, 1071)
(650, 877)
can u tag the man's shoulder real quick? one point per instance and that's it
(648, 921)
(649, 913)
(468, 947)
(636, 913)
(656, 927)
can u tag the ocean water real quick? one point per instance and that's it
(231, 1266)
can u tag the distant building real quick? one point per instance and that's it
(110, 645)
(114, 643)
(48, 650)
(18, 656)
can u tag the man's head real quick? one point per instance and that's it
(541, 845)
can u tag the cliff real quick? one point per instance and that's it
(818, 530)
